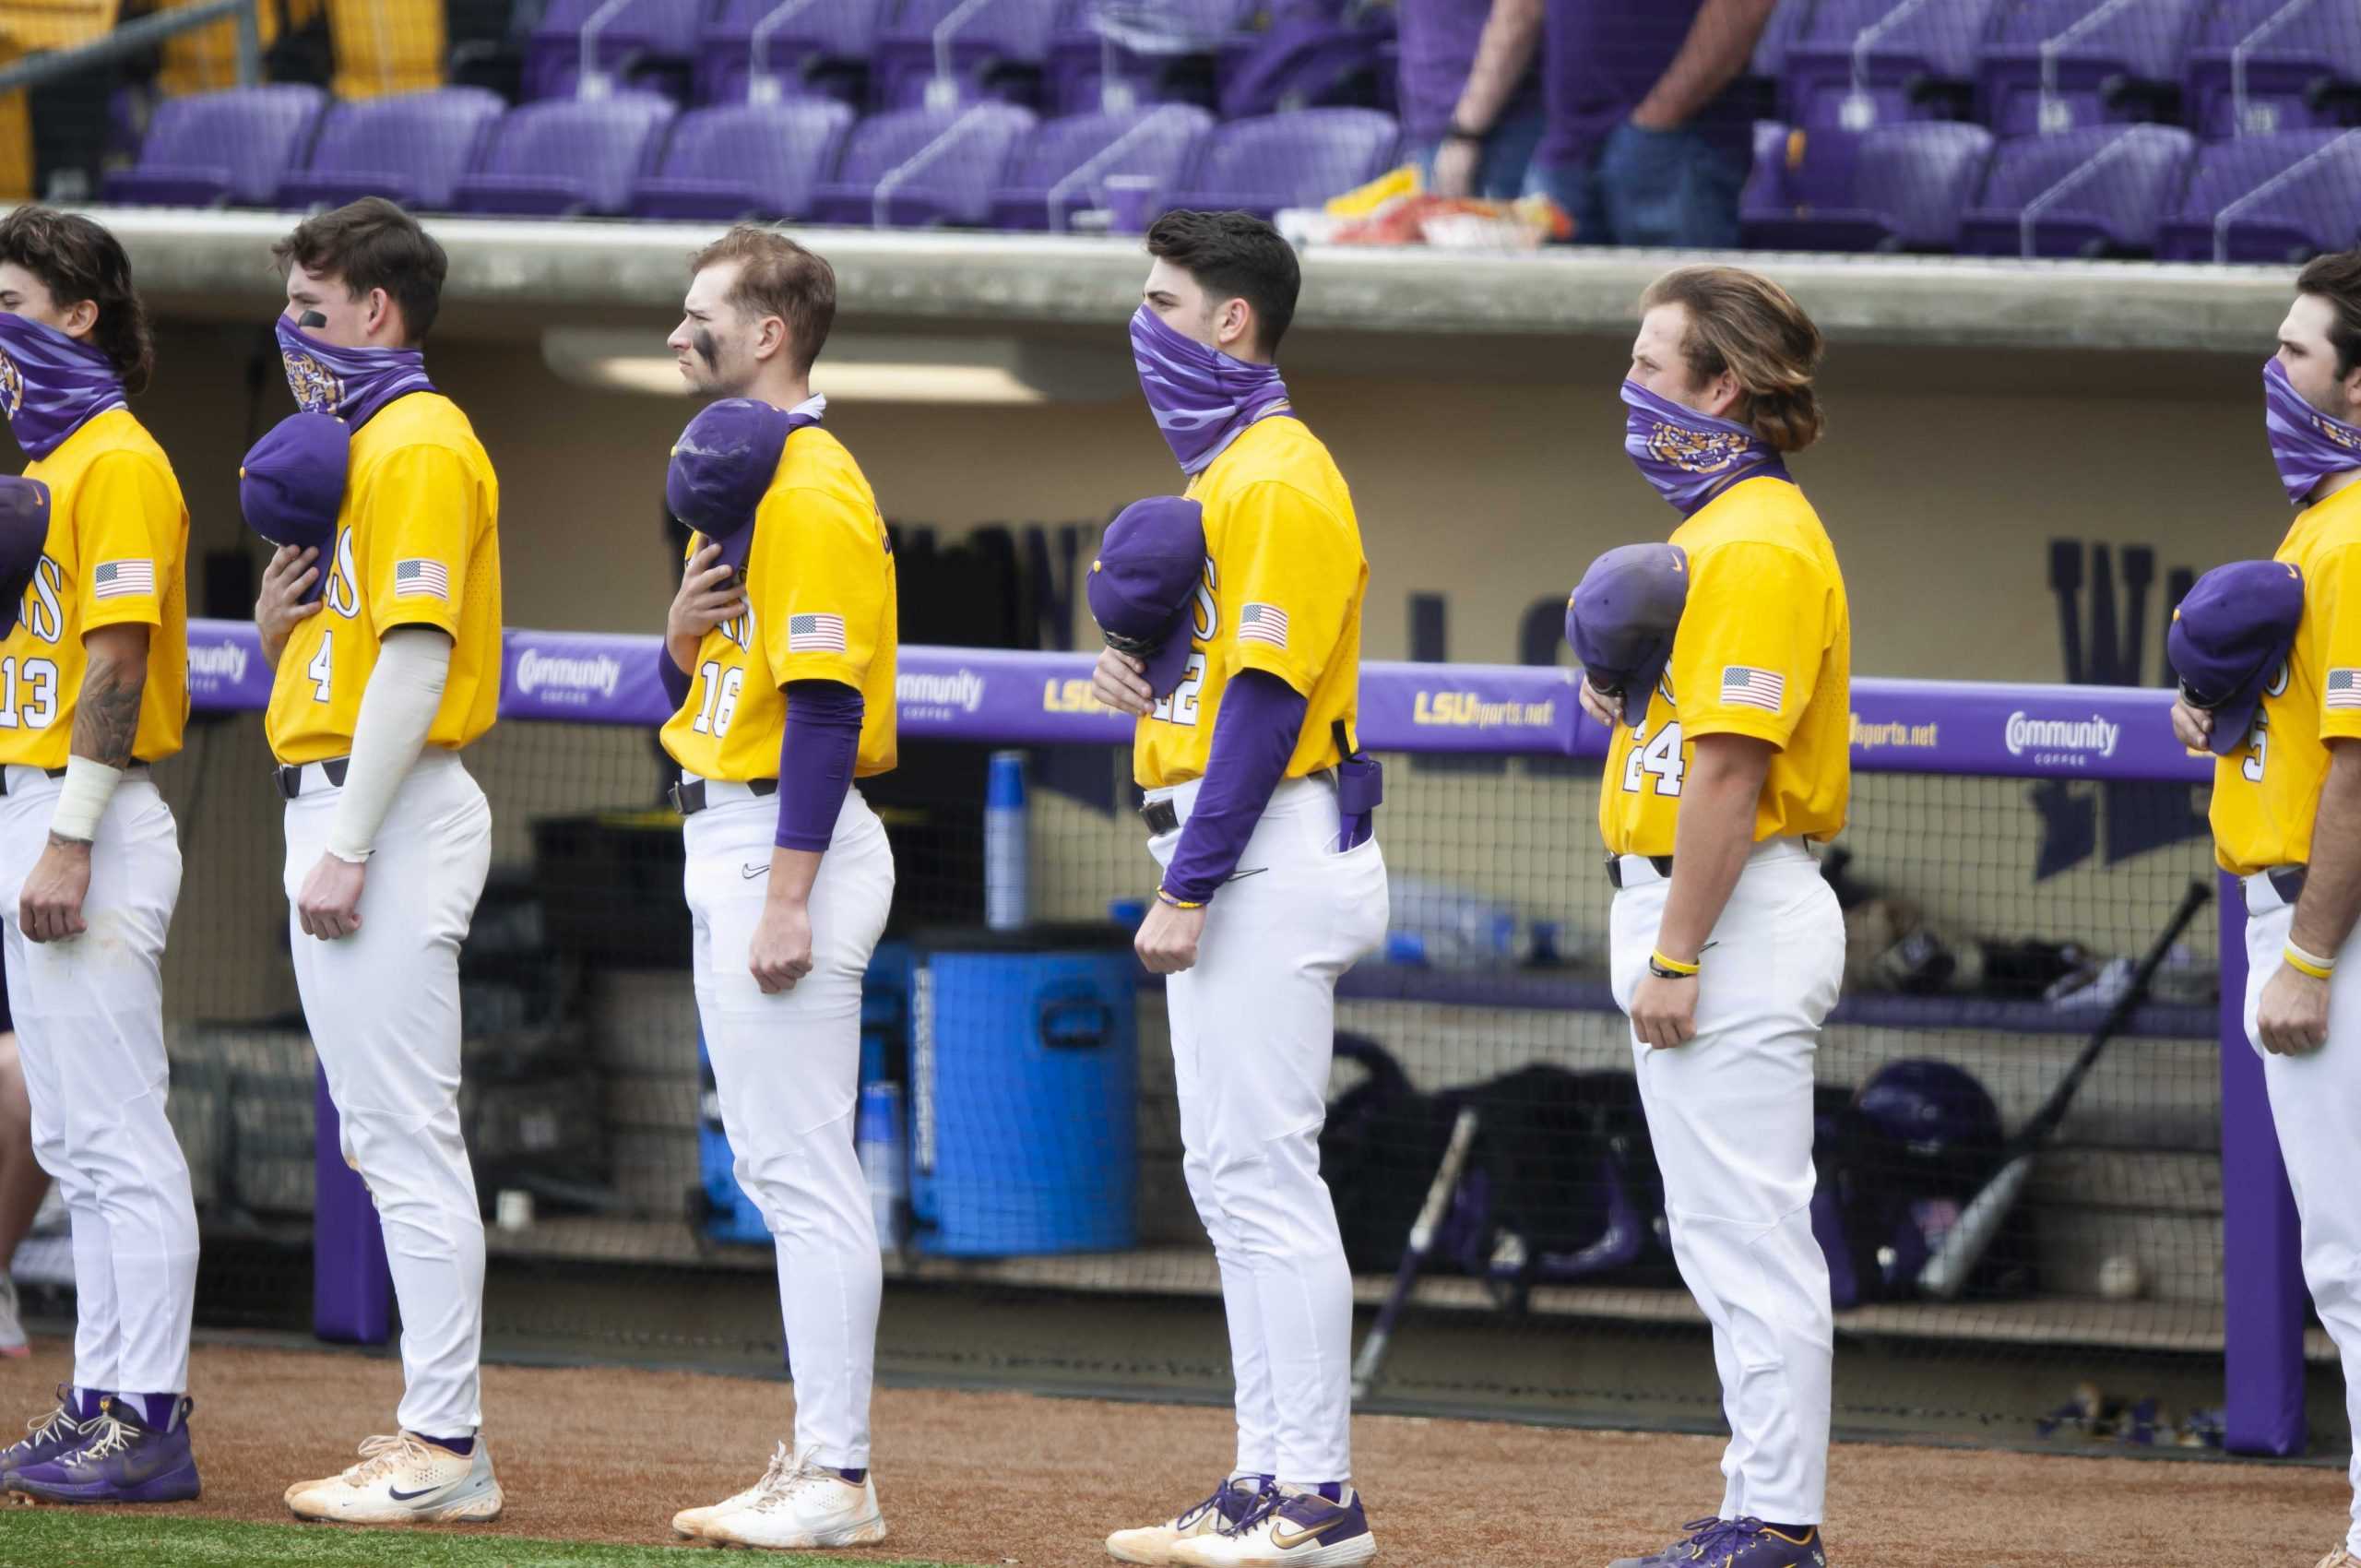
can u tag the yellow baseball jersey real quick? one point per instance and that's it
(116, 555)
(1764, 648)
(2266, 795)
(820, 606)
(1282, 591)
(417, 544)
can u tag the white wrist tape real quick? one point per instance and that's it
(82, 798)
(397, 708)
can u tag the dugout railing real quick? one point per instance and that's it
(1995, 821)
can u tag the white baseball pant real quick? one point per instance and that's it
(2316, 1104)
(1254, 1030)
(1730, 1114)
(89, 1015)
(787, 1068)
(382, 1005)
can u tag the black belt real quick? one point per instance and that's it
(50, 772)
(290, 779)
(688, 794)
(1161, 818)
(2287, 881)
(1615, 869)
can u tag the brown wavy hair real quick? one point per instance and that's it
(777, 277)
(1742, 323)
(77, 260)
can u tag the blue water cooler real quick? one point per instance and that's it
(1023, 1091)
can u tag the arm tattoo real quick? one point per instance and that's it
(107, 718)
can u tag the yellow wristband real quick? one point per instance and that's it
(2304, 962)
(1661, 962)
(1165, 897)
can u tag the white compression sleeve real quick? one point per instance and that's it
(397, 708)
(82, 798)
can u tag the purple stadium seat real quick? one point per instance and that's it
(627, 39)
(1863, 63)
(214, 147)
(939, 53)
(2259, 66)
(1894, 188)
(1115, 61)
(568, 155)
(2054, 65)
(1297, 160)
(1063, 166)
(919, 168)
(1304, 61)
(745, 161)
(410, 147)
(810, 49)
(2101, 191)
(1787, 24)
(2280, 198)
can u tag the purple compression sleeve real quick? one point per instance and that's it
(676, 680)
(1256, 732)
(816, 759)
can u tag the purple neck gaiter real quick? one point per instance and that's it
(2307, 445)
(1202, 399)
(51, 383)
(1689, 457)
(351, 384)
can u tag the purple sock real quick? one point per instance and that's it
(157, 1410)
(1333, 1490)
(465, 1447)
(853, 1478)
(85, 1403)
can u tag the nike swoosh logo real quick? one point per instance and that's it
(748, 873)
(399, 1495)
(1288, 1542)
(1242, 875)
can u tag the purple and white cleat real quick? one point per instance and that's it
(46, 1437)
(1750, 1543)
(1289, 1525)
(122, 1460)
(1679, 1553)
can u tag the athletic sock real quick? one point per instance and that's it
(1795, 1532)
(84, 1403)
(465, 1447)
(853, 1478)
(156, 1410)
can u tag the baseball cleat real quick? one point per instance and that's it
(47, 1437)
(1287, 1525)
(123, 1459)
(803, 1507)
(690, 1523)
(12, 1325)
(1230, 1501)
(1749, 1543)
(404, 1479)
(1677, 1553)
(2340, 1558)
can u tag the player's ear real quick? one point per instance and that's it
(1234, 327)
(82, 318)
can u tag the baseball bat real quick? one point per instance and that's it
(1947, 1272)
(1414, 1256)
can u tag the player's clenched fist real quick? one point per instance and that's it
(2291, 1018)
(329, 904)
(1664, 1011)
(781, 953)
(281, 607)
(49, 908)
(1167, 940)
(1120, 683)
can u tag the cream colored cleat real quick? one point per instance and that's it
(404, 1479)
(690, 1523)
(1154, 1544)
(806, 1507)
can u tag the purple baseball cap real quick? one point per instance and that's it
(1621, 620)
(722, 465)
(2229, 639)
(290, 486)
(24, 534)
(1144, 585)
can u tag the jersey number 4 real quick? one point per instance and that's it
(1660, 756)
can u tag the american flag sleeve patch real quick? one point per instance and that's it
(421, 579)
(2342, 689)
(123, 579)
(813, 633)
(1262, 623)
(1744, 686)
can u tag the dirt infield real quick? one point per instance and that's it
(606, 1455)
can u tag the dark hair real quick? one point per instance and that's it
(1742, 323)
(2337, 279)
(1237, 257)
(372, 244)
(77, 260)
(777, 277)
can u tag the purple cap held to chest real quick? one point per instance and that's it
(290, 486)
(1621, 620)
(1144, 585)
(2229, 640)
(24, 534)
(722, 467)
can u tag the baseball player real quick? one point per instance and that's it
(2287, 808)
(380, 613)
(779, 650)
(1233, 620)
(93, 692)
(1721, 662)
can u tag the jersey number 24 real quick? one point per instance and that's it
(1657, 756)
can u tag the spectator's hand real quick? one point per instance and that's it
(1457, 162)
